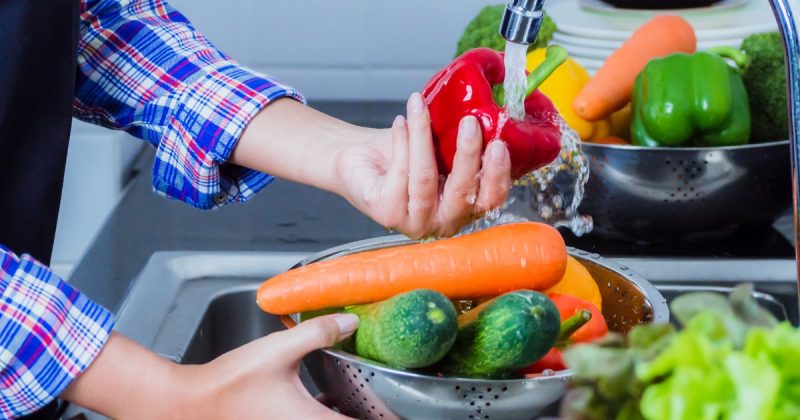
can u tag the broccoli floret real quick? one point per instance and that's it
(765, 79)
(483, 31)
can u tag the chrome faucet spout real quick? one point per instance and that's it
(791, 45)
(522, 20)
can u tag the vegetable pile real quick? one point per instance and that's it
(731, 360)
(521, 301)
(646, 91)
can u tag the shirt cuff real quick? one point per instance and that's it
(49, 334)
(211, 115)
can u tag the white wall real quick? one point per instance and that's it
(338, 49)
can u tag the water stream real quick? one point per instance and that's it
(515, 83)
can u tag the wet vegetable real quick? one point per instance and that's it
(503, 335)
(410, 330)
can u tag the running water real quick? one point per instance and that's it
(515, 83)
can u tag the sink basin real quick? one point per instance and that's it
(194, 306)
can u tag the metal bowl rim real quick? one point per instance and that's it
(660, 308)
(777, 143)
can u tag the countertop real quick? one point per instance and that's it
(284, 216)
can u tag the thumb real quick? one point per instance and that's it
(314, 334)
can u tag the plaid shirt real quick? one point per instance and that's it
(143, 69)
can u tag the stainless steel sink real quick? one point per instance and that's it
(192, 307)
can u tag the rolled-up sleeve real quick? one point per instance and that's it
(49, 334)
(143, 68)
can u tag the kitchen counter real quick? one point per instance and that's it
(284, 216)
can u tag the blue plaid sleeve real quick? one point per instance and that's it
(144, 69)
(49, 334)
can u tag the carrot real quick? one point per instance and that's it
(486, 263)
(610, 89)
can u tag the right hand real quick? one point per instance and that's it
(260, 380)
(256, 381)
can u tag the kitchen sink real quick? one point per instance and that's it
(194, 306)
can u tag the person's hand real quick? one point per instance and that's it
(394, 179)
(390, 175)
(260, 380)
(256, 381)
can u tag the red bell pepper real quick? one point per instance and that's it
(569, 305)
(465, 88)
(581, 322)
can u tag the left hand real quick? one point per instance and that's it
(394, 179)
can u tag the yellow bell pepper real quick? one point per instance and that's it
(578, 282)
(563, 86)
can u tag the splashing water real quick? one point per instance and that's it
(553, 193)
(549, 195)
(515, 83)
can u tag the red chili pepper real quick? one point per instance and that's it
(581, 322)
(465, 88)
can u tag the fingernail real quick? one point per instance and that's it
(347, 324)
(469, 125)
(497, 151)
(415, 103)
(399, 121)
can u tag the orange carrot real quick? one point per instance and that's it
(486, 263)
(610, 89)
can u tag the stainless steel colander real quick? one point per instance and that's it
(672, 195)
(365, 389)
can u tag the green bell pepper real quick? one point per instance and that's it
(691, 100)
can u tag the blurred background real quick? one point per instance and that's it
(329, 50)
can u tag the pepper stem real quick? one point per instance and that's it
(732, 53)
(553, 58)
(572, 324)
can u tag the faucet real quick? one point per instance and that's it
(522, 20)
(791, 46)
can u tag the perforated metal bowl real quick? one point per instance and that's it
(673, 195)
(365, 389)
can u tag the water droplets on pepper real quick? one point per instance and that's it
(553, 193)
